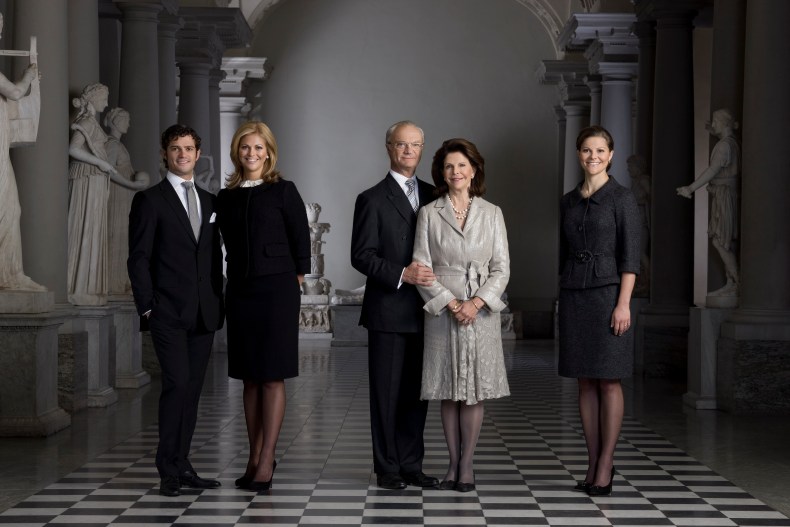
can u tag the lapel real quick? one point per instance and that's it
(446, 213)
(172, 199)
(398, 198)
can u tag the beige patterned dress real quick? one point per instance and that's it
(463, 363)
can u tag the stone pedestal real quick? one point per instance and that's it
(315, 319)
(29, 373)
(661, 342)
(73, 371)
(98, 323)
(26, 301)
(704, 331)
(345, 324)
(129, 372)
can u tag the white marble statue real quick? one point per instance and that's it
(90, 173)
(12, 275)
(117, 123)
(722, 177)
(640, 186)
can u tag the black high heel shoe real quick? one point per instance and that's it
(596, 490)
(583, 486)
(257, 486)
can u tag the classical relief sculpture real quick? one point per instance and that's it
(722, 176)
(640, 186)
(120, 202)
(12, 114)
(90, 173)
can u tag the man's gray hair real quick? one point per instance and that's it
(391, 129)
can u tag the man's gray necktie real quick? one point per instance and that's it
(412, 195)
(192, 208)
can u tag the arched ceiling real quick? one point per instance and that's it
(255, 12)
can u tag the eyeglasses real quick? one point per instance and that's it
(401, 145)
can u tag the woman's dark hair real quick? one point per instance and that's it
(595, 131)
(469, 150)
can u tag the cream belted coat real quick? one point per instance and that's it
(463, 363)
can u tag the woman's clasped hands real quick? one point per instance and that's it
(464, 311)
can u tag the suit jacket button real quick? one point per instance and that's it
(403, 237)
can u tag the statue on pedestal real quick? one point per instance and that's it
(90, 173)
(117, 123)
(722, 178)
(12, 276)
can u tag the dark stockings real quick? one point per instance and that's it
(462, 423)
(264, 409)
(601, 409)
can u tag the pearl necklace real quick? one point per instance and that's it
(462, 214)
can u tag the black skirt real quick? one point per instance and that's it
(263, 327)
(588, 346)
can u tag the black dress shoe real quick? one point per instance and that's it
(447, 484)
(596, 490)
(258, 486)
(390, 481)
(244, 481)
(169, 486)
(193, 481)
(464, 487)
(582, 486)
(419, 479)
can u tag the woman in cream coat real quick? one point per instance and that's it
(462, 238)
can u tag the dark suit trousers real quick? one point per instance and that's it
(183, 355)
(397, 415)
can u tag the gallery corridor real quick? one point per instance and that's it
(674, 466)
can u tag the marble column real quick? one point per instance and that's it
(643, 144)
(193, 99)
(662, 335)
(215, 77)
(575, 120)
(168, 26)
(110, 49)
(754, 351)
(83, 48)
(594, 84)
(231, 116)
(42, 169)
(616, 105)
(140, 83)
(559, 113)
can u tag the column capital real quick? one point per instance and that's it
(169, 25)
(140, 6)
(228, 24)
(240, 69)
(670, 11)
(583, 28)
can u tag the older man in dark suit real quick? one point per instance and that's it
(175, 266)
(385, 217)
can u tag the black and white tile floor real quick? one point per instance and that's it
(530, 453)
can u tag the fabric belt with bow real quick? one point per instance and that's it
(476, 275)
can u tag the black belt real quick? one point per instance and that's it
(584, 256)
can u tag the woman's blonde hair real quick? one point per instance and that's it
(270, 174)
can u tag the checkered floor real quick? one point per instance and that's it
(530, 453)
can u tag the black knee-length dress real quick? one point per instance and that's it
(267, 244)
(599, 240)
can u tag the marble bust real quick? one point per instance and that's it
(722, 178)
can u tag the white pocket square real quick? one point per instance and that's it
(213, 217)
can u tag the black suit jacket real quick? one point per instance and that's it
(265, 230)
(382, 241)
(172, 274)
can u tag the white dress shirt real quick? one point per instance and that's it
(176, 182)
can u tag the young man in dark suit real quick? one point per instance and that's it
(175, 266)
(385, 217)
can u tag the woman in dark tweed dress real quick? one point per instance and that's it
(267, 240)
(599, 259)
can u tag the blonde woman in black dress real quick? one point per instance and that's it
(600, 251)
(267, 240)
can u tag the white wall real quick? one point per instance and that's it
(344, 70)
